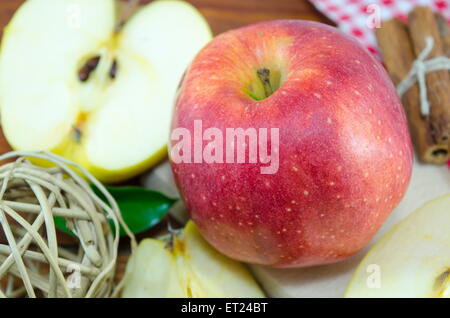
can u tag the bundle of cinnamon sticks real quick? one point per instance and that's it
(400, 44)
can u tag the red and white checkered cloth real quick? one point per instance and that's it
(358, 17)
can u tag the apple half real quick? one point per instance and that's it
(187, 266)
(412, 260)
(73, 83)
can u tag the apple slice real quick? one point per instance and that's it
(152, 272)
(188, 268)
(71, 83)
(412, 260)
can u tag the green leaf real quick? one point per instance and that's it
(141, 208)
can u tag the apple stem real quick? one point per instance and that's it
(170, 237)
(264, 76)
(77, 134)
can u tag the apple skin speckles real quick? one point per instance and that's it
(338, 124)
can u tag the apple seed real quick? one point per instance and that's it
(113, 70)
(441, 280)
(88, 68)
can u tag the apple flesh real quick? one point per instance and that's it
(186, 267)
(412, 260)
(74, 84)
(345, 153)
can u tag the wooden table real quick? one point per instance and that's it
(224, 15)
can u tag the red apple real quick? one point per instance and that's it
(345, 155)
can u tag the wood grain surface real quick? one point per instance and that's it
(223, 15)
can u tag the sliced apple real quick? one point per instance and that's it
(71, 83)
(412, 260)
(152, 272)
(189, 267)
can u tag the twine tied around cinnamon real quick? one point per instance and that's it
(420, 67)
(33, 263)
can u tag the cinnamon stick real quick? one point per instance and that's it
(398, 55)
(422, 24)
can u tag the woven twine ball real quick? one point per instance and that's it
(32, 262)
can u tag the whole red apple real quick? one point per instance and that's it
(345, 155)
